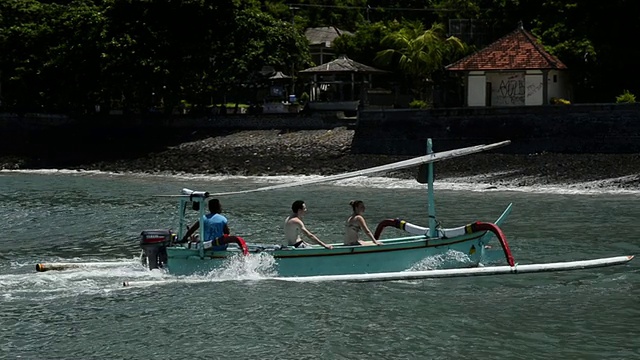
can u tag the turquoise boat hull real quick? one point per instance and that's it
(395, 255)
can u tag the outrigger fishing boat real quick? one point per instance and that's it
(395, 254)
(390, 261)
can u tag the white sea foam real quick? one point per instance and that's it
(476, 183)
(480, 183)
(72, 282)
(58, 171)
(252, 267)
(440, 260)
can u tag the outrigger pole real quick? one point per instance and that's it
(430, 194)
(466, 272)
(405, 164)
(42, 267)
(427, 274)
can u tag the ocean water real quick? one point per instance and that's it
(242, 312)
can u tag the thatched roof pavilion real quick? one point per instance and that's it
(329, 79)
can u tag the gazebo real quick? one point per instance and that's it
(340, 84)
(278, 87)
(279, 99)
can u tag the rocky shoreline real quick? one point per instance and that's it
(326, 152)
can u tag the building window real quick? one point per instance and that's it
(555, 78)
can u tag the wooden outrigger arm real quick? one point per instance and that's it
(405, 164)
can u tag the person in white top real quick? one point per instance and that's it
(294, 227)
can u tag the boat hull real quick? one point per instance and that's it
(394, 255)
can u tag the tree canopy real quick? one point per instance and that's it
(419, 53)
(68, 55)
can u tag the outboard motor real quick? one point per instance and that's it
(154, 246)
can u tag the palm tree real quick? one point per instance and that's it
(419, 53)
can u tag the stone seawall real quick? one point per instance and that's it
(593, 128)
(60, 140)
(606, 128)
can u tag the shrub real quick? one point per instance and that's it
(418, 104)
(626, 97)
(560, 101)
(304, 98)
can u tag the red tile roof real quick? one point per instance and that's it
(518, 50)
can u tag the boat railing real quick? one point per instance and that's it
(197, 201)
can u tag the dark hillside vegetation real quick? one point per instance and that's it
(156, 55)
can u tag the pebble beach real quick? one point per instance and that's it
(327, 152)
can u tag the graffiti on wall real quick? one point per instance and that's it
(511, 90)
(533, 89)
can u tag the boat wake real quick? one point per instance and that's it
(237, 268)
(101, 277)
(62, 278)
(261, 266)
(23, 283)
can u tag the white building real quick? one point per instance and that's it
(515, 70)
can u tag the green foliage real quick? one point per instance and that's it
(419, 53)
(418, 104)
(71, 55)
(278, 10)
(626, 97)
(345, 14)
(304, 98)
(138, 54)
(587, 36)
(365, 43)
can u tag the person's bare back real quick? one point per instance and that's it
(292, 230)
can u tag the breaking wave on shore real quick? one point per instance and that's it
(496, 182)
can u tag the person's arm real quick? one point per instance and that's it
(365, 228)
(226, 230)
(191, 230)
(313, 237)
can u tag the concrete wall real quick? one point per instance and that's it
(534, 88)
(599, 128)
(594, 128)
(99, 136)
(559, 88)
(516, 88)
(34, 122)
(261, 122)
(476, 89)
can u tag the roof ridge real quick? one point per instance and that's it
(508, 53)
(538, 45)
